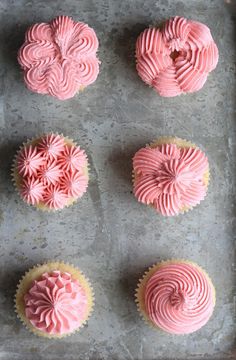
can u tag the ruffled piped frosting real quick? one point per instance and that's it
(177, 58)
(59, 58)
(169, 178)
(179, 298)
(56, 304)
(51, 172)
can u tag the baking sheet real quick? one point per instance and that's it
(108, 234)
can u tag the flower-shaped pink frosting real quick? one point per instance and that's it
(170, 178)
(28, 161)
(72, 158)
(51, 171)
(179, 298)
(51, 145)
(32, 190)
(56, 303)
(55, 198)
(74, 184)
(177, 58)
(59, 58)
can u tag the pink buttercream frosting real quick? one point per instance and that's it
(179, 298)
(59, 58)
(74, 184)
(56, 304)
(28, 161)
(32, 190)
(51, 171)
(72, 158)
(170, 178)
(51, 146)
(177, 58)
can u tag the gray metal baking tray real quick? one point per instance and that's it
(108, 234)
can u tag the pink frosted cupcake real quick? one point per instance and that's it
(59, 58)
(176, 296)
(54, 300)
(176, 59)
(171, 175)
(50, 172)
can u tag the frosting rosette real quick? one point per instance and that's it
(59, 58)
(50, 172)
(54, 299)
(176, 296)
(176, 59)
(171, 175)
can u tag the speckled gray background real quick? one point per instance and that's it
(109, 234)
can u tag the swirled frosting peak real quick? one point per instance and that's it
(177, 58)
(170, 178)
(51, 172)
(179, 297)
(59, 58)
(56, 303)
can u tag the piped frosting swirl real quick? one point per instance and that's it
(59, 58)
(56, 303)
(177, 58)
(179, 297)
(170, 178)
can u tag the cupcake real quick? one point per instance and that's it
(50, 172)
(171, 175)
(177, 58)
(54, 300)
(59, 58)
(176, 296)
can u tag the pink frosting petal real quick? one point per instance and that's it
(61, 79)
(150, 65)
(87, 70)
(56, 303)
(59, 58)
(189, 78)
(199, 35)
(40, 54)
(38, 32)
(166, 83)
(176, 32)
(195, 159)
(151, 41)
(146, 189)
(179, 298)
(84, 41)
(194, 194)
(36, 80)
(147, 160)
(178, 58)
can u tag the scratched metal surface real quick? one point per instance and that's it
(109, 235)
